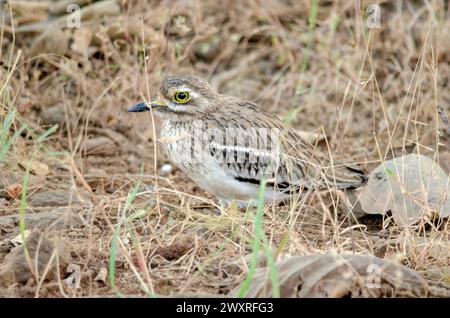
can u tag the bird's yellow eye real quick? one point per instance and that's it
(181, 97)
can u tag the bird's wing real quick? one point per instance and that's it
(320, 167)
(257, 146)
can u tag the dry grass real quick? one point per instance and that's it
(373, 92)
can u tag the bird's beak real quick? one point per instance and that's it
(143, 107)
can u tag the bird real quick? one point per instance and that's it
(229, 146)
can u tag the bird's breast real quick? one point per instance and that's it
(179, 142)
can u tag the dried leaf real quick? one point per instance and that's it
(311, 137)
(14, 190)
(409, 186)
(36, 167)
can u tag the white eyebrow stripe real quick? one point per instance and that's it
(184, 89)
(193, 94)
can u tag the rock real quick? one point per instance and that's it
(166, 169)
(100, 146)
(54, 115)
(7, 222)
(58, 198)
(95, 177)
(58, 218)
(40, 249)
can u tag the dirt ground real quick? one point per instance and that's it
(86, 183)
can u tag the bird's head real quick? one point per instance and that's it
(182, 95)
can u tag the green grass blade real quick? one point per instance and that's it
(5, 127)
(256, 241)
(113, 253)
(112, 258)
(47, 133)
(5, 146)
(23, 208)
(6, 143)
(273, 272)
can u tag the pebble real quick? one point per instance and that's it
(166, 168)
(54, 115)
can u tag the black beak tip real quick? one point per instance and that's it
(141, 107)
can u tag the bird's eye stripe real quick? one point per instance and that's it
(181, 97)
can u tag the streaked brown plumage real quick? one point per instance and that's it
(227, 145)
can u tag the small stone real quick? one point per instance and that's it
(58, 218)
(49, 198)
(95, 177)
(100, 146)
(166, 168)
(7, 222)
(54, 115)
(40, 249)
